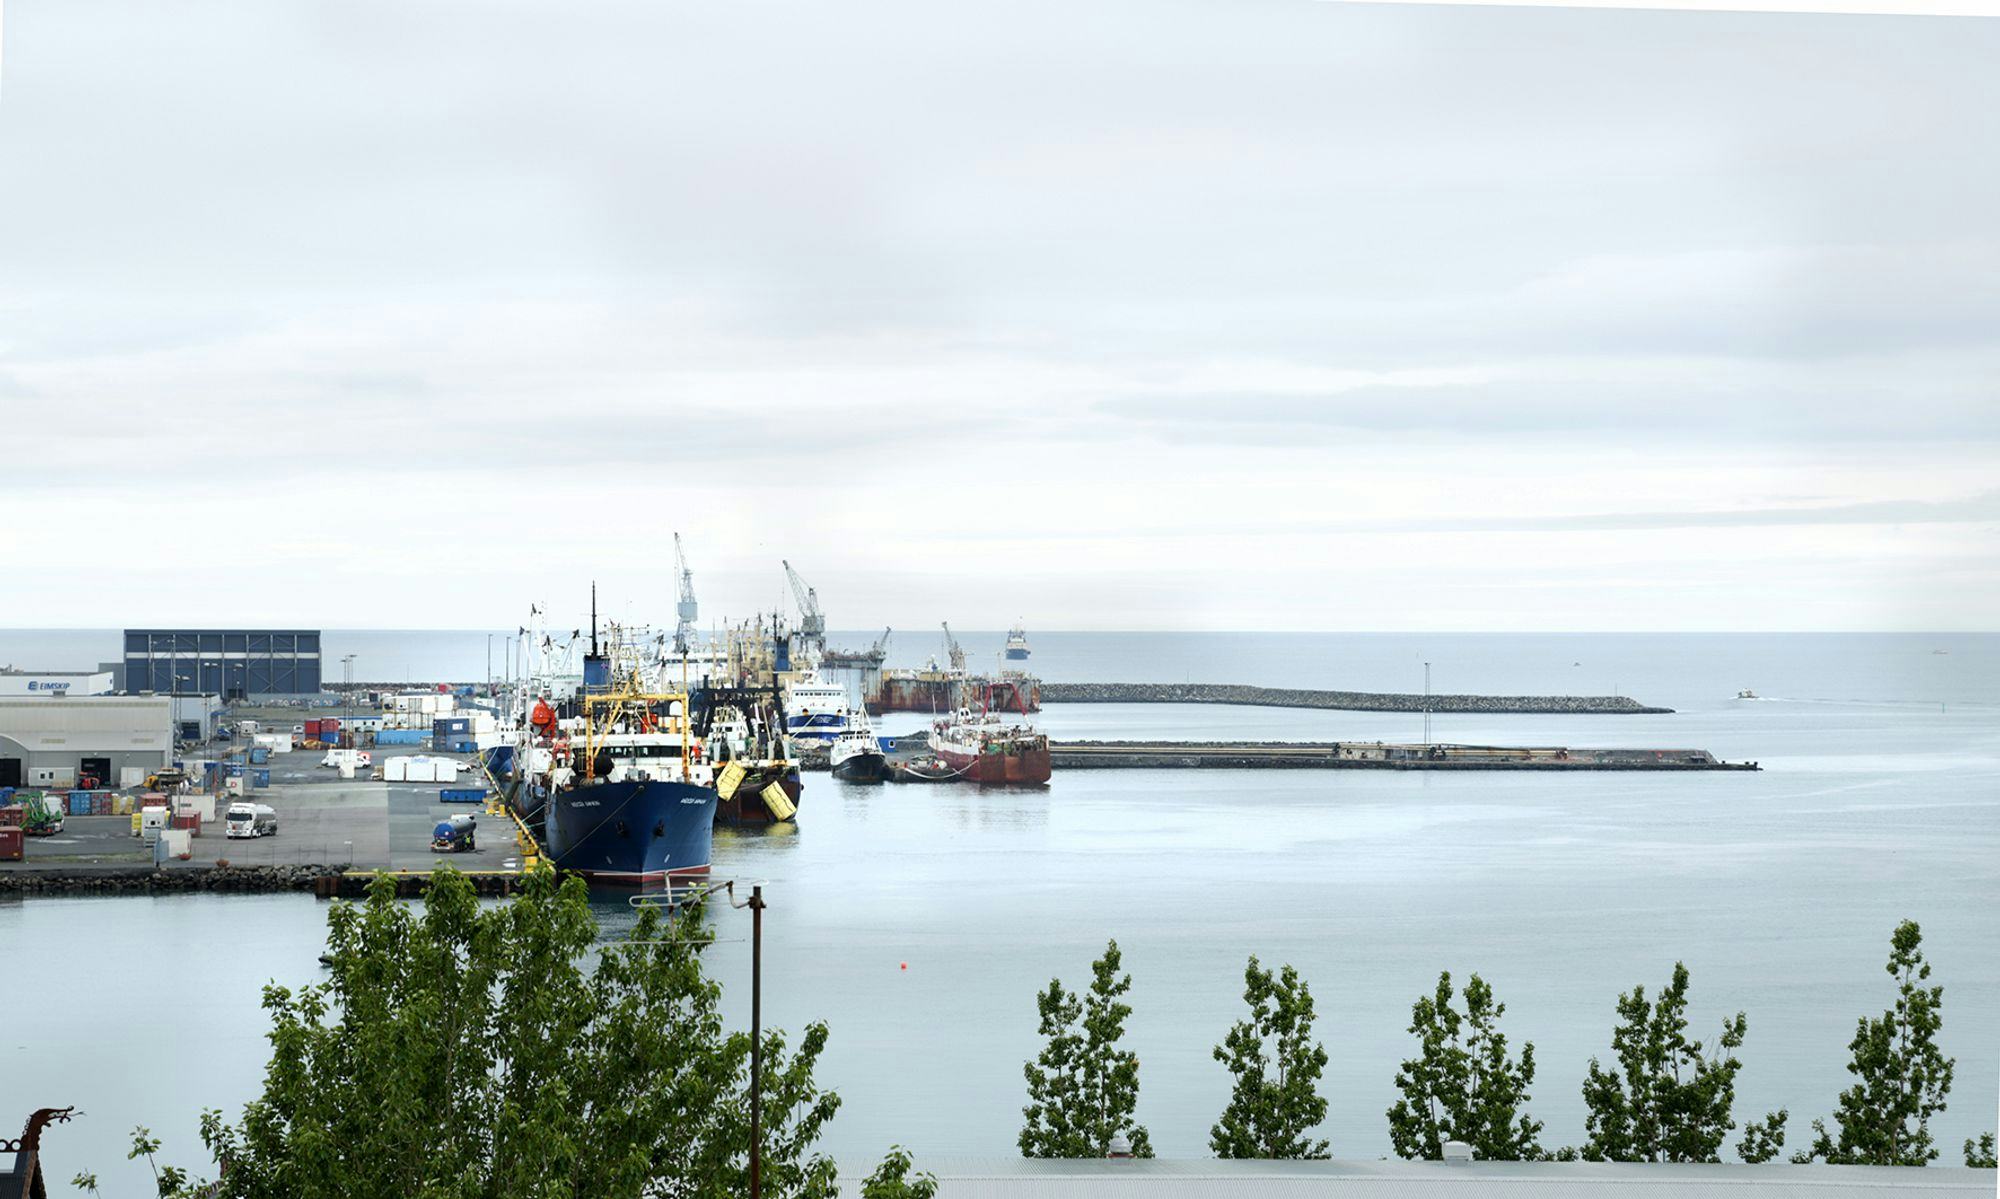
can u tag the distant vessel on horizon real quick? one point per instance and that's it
(1017, 644)
(1746, 693)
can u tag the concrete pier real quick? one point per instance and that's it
(1350, 701)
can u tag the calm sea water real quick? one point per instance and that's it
(919, 922)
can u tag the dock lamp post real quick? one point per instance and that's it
(670, 899)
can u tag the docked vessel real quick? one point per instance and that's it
(857, 757)
(742, 731)
(817, 712)
(982, 748)
(622, 799)
(1017, 644)
(609, 776)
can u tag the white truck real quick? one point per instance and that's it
(250, 820)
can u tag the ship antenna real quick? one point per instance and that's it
(593, 618)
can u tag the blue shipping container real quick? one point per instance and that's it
(79, 803)
(259, 756)
(260, 778)
(461, 794)
(402, 737)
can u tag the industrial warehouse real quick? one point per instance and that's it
(62, 741)
(234, 664)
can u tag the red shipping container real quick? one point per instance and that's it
(13, 816)
(312, 728)
(330, 724)
(10, 845)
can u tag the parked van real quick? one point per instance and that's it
(250, 820)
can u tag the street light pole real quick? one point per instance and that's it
(757, 1042)
(1427, 704)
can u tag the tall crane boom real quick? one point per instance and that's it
(953, 649)
(686, 610)
(881, 649)
(812, 623)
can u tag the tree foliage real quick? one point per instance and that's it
(1276, 1101)
(474, 1050)
(1903, 1077)
(1083, 1088)
(1462, 1085)
(893, 1180)
(1979, 1154)
(1666, 1100)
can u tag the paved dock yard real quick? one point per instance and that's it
(323, 820)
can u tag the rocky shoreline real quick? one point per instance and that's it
(147, 880)
(1351, 701)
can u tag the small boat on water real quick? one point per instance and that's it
(1746, 693)
(983, 748)
(857, 757)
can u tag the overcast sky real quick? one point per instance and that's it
(1151, 315)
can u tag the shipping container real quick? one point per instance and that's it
(261, 778)
(12, 844)
(312, 729)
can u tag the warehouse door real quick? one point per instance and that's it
(10, 772)
(97, 768)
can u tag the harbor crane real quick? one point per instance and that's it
(686, 610)
(812, 622)
(953, 650)
(880, 650)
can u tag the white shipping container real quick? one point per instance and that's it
(180, 842)
(346, 768)
(131, 777)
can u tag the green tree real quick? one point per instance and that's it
(1666, 1101)
(1903, 1076)
(1980, 1155)
(893, 1180)
(1082, 1088)
(1462, 1086)
(1276, 1100)
(474, 1050)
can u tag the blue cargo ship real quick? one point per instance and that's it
(632, 831)
(618, 792)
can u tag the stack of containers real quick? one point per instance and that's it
(451, 733)
(102, 804)
(79, 803)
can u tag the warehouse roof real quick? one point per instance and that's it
(1019, 1178)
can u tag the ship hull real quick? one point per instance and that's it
(632, 833)
(1030, 767)
(1017, 655)
(864, 767)
(746, 808)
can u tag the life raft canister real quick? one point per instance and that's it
(543, 715)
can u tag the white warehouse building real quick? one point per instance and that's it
(55, 741)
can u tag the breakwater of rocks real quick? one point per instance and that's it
(327, 882)
(114, 881)
(1351, 701)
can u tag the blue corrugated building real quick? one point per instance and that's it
(231, 663)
